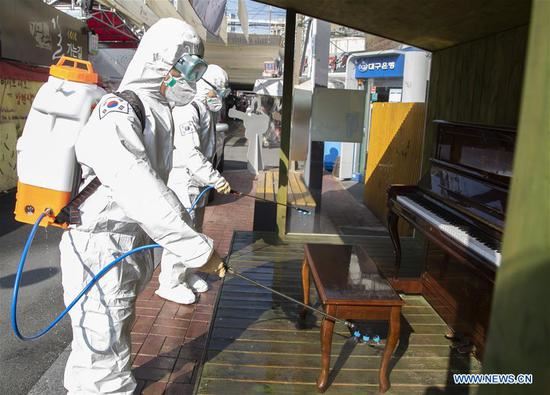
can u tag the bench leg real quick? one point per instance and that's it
(391, 343)
(305, 287)
(327, 328)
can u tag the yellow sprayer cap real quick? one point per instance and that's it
(76, 70)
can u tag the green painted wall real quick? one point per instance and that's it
(519, 336)
(478, 82)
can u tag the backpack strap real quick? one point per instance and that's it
(70, 213)
(135, 102)
(194, 104)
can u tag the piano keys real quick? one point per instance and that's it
(460, 234)
(459, 206)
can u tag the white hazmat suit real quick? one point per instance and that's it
(195, 145)
(132, 205)
(192, 171)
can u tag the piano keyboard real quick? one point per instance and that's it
(452, 231)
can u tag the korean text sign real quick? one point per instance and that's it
(380, 66)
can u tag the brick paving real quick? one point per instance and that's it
(169, 339)
(342, 208)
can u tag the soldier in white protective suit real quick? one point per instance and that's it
(193, 170)
(132, 206)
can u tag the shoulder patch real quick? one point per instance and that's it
(113, 104)
(186, 128)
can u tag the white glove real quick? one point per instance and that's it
(222, 186)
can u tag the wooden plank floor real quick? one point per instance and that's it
(256, 348)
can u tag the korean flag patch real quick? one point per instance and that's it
(113, 104)
(186, 128)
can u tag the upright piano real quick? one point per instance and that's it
(459, 205)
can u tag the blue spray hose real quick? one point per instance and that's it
(93, 281)
(357, 335)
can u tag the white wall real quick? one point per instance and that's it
(415, 76)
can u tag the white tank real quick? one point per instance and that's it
(46, 164)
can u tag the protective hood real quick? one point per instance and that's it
(216, 76)
(161, 46)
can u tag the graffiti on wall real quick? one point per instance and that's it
(16, 97)
(50, 35)
(40, 31)
(8, 139)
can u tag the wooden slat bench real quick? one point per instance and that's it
(350, 289)
(266, 188)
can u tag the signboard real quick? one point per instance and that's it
(337, 64)
(395, 95)
(380, 66)
(337, 115)
(36, 33)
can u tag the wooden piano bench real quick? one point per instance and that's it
(350, 287)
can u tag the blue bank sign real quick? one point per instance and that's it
(381, 66)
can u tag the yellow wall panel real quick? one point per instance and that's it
(394, 152)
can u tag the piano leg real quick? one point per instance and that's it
(394, 235)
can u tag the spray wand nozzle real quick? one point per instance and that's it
(299, 209)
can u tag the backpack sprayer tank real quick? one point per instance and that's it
(46, 162)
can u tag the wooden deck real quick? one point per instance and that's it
(254, 346)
